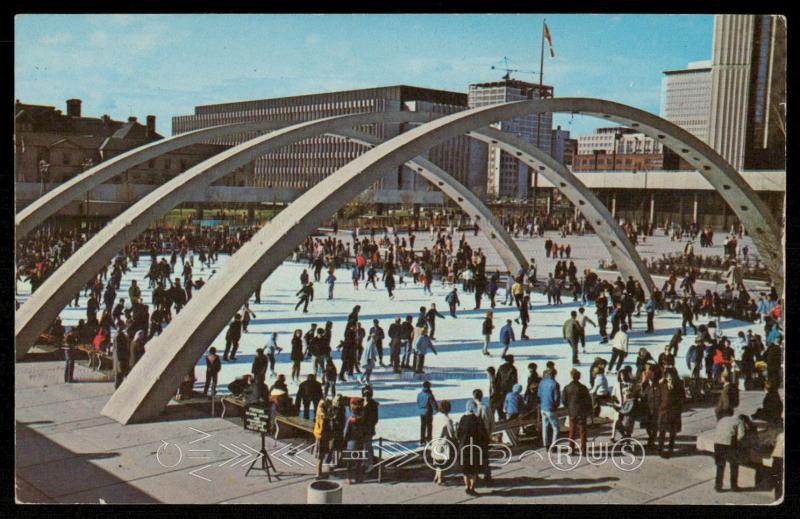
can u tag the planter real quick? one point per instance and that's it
(324, 493)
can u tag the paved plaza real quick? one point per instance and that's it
(60, 430)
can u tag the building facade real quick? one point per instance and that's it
(686, 98)
(624, 149)
(748, 91)
(307, 162)
(562, 148)
(52, 147)
(505, 175)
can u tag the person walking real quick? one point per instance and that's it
(549, 401)
(486, 329)
(395, 344)
(524, 317)
(430, 317)
(578, 402)
(619, 349)
(687, 316)
(121, 356)
(331, 281)
(728, 433)
(247, 314)
(571, 333)
(506, 337)
(426, 403)
(213, 367)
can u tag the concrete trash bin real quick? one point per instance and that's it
(324, 493)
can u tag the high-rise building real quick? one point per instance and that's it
(307, 162)
(686, 98)
(748, 91)
(505, 175)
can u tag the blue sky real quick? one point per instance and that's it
(167, 64)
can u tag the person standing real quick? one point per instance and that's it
(247, 314)
(578, 402)
(323, 434)
(487, 328)
(377, 335)
(524, 317)
(70, 341)
(619, 349)
(272, 351)
(601, 305)
(213, 367)
(473, 440)
(297, 354)
(309, 392)
(571, 332)
(371, 417)
(426, 403)
(506, 337)
(259, 367)
(422, 344)
(671, 395)
(354, 432)
(582, 320)
(331, 281)
(728, 433)
(430, 317)
(650, 309)
(121, 356)
(232, 338)
(687, 315)
(441, 451)
(452, 301)
(395, 344)
(514, 402)
(549, 401)
(728, 398)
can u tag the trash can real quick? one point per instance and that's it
(324, 493)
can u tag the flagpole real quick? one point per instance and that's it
(538, 120)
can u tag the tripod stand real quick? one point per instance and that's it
(266, 461)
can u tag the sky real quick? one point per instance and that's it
(166, 65)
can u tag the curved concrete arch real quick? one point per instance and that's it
(610, 234)
(52, 201)
(54, 294)
(189, 335)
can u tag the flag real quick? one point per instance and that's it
(549, 40)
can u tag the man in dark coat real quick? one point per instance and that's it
(309, 392)
(578, 401)
(671, 395)
(232, 338)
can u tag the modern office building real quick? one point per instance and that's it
(748, 91)
(307, 162)
(562, 148)
(505, 175)
(686, 98)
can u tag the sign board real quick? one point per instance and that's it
(256, 418)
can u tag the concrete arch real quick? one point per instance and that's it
(185, 340)
(610, 234)
(54, 294)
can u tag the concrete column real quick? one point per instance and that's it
(614, 205)
(251, 215)
(652, 207)
(694, 209)
(549, 201)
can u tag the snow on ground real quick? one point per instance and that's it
(454, 372)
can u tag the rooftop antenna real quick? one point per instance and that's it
(508, 70)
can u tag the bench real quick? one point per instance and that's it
(98, 360)
(287, 424)
(232, 401)
(511, 427)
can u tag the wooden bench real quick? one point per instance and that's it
(232, 401)
(511, 427)
(287, 424)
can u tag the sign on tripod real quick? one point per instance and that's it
(256, 419)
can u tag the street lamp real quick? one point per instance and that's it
(44, 168)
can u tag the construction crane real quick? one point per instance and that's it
(510, 70)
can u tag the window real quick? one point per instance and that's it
(65, 158)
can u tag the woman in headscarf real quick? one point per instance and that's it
(474, 442)
(323, 433)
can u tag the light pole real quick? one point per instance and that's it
(44, 168)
